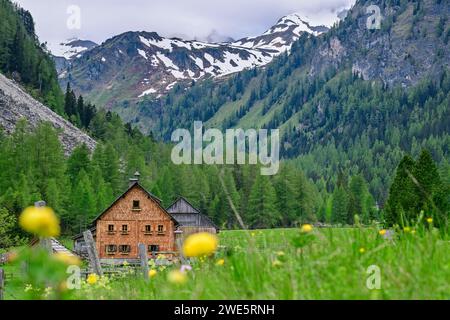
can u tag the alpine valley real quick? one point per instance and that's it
(350, 101)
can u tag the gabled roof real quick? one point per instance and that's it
(136, 183)
(182, 210)
(182, 205)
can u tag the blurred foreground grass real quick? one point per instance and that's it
(269, 264)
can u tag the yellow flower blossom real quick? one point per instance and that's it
(40, 221)
(306, 228)
(253, 234)
(362, 250)
(280, 253)
(63, 286)
(68, 259)
(200, 244)
(177, 277)
(407, 229)
(92, 278)
(220, 262)
(152, 273)
(277, 263)
(382, 232)
(430, 220)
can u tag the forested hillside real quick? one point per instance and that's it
(24, 59)
(352, 99)
(344, 131)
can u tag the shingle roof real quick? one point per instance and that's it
(157, 200)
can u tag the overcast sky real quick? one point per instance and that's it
(189, 19)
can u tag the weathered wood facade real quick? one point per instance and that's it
(190, 219)
(137, 217)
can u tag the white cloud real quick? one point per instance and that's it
(102, 19)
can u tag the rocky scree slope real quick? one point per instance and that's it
(16, 104)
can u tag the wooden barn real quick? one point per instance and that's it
(137, 216)
(190, 219)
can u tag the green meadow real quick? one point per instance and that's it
(333, 264)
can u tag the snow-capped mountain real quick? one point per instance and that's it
(136, 64)
(280, 37)
(71, 48)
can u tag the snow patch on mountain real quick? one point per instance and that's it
(163, 62)
(71, 48)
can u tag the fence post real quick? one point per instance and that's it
(92, 252)
(179, 241)
(46, 243)
(2, 283)
(144, 259)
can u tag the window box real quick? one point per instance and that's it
(125, 249)
(111, 249)
(111, 229)
(125, 232)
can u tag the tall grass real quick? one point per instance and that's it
(333, 266)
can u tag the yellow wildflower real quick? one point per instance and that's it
(40, 221)
(362, 250)
(277, 263)
(280, 253)
(382, 232)
(68, 259)
(63, 286)
(177, 277)
(253, 234)
(92, 278)
(200, 244)
(220, 262)
(152, 273)
(407, 229)
(306, 228)
(413, 231)
(430, 220)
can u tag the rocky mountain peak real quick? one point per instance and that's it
(132, 65)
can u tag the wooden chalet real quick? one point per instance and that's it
(137, 216)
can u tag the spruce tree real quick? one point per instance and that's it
(340, 206)
(262, 209)
(402, 203)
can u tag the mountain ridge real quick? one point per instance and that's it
(135, 64)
